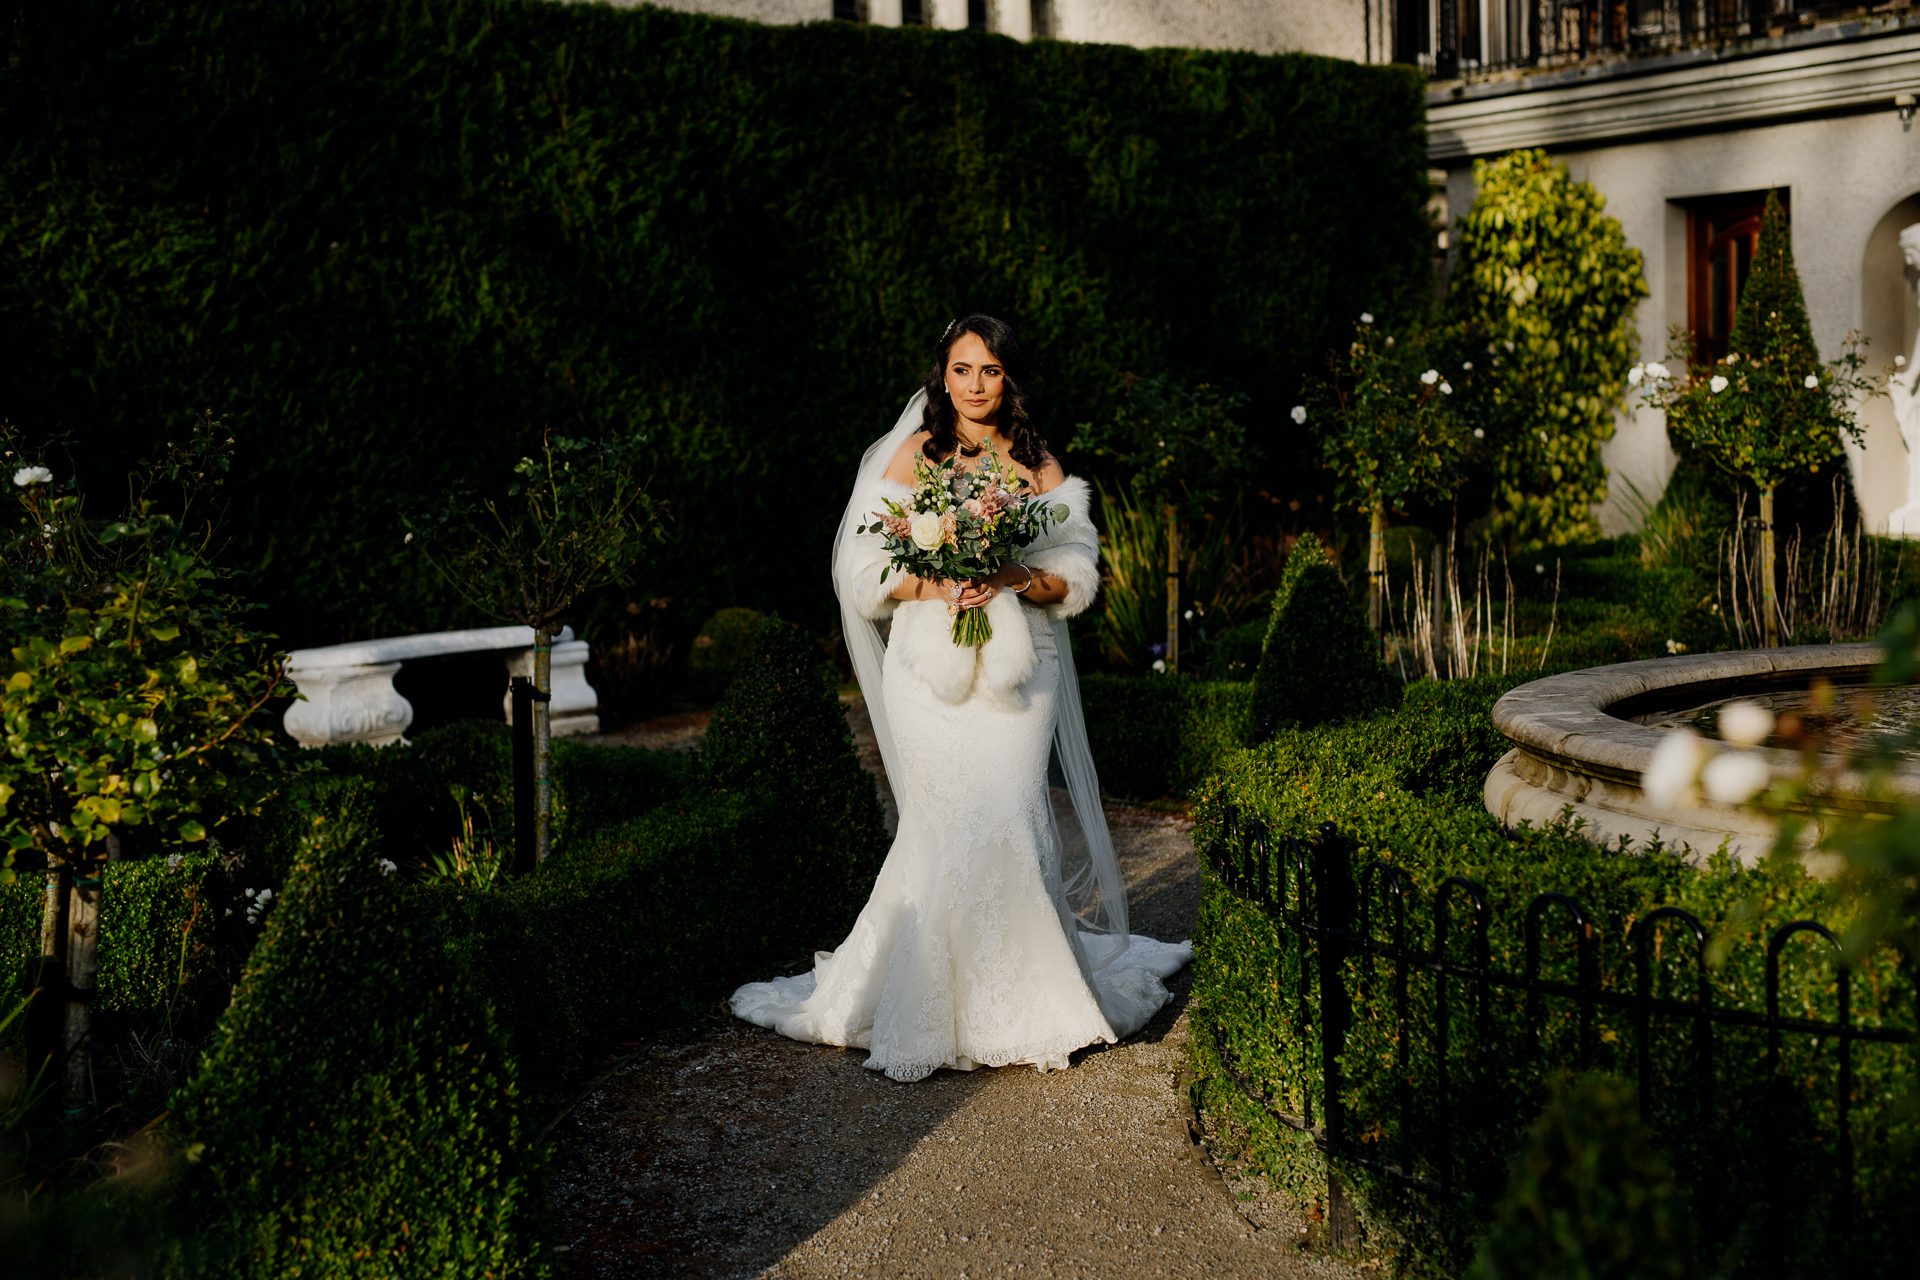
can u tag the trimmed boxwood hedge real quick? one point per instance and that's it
(391, 253)
(412, 786)
(358, 1114)
(1319, 662)
(1404, 788)
(1158, 737)
(158, 926)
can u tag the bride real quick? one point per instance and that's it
(997, 930)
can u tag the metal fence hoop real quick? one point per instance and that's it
(1583, 948)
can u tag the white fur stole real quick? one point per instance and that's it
(923, 639)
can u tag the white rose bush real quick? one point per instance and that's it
(959, 524)
(1394, 437)
(1769, 408)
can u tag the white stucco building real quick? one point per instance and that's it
(1684, 126)
(1357, 29)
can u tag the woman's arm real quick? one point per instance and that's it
(1046, 588)
(912, 587)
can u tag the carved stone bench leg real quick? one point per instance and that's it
(348, 704)
(575, 707)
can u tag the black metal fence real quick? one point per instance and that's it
(1452, 38)
(1346, 929)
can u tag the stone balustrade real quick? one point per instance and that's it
(349, 693)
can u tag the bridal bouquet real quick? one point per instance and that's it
(961, 524)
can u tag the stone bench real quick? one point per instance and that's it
(350, 695)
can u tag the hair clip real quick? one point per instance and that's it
(948, 331)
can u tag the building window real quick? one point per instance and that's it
(976, 15)
(1411, 34)
(912, 13)
(1042, 19)
(1722, 233)
(846, 11)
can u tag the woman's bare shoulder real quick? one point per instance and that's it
(1048, 475)
(900, 470)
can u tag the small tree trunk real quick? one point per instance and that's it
(46, 1017)
(1173, 591)
(1377, 567)
(52, 915)
(83, 956)
(1769, 602)
(542, 745)
(1436, 618)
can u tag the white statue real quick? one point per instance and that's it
(1904, 389)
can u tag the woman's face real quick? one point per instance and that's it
(975, 381)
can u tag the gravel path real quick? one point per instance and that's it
(741, 1154)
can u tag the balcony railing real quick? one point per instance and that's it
(1453, 39)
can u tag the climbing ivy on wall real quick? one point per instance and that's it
(393, 240)
(1550, 282)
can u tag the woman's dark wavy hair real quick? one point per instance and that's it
(1016, 409)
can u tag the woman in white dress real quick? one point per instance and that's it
(992, 936)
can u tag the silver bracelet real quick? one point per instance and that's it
(1021, 590)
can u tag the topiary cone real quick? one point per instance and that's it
(1318, 663)
(1771, 317)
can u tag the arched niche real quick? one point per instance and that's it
(1890, 319)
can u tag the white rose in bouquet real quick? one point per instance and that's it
(926, 531)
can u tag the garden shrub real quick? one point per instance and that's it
(1320, 661)
(1550, 283)
(1403, 789)
(413, 785)
(767, 855)
(390, 254)
(637, 926)
(1235, 653)
(1591, 1197)
(357, 1114)
(1155, 737)
(724, 641)
(781, 725)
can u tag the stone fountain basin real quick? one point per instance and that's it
(1576, 744)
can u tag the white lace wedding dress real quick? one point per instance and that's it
(969, 952)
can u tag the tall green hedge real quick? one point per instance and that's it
(391, 240)
(1754, 1171)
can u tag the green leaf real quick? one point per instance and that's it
(192, 831)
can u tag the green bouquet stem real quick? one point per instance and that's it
(970, 626)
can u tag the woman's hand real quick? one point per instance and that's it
(971, 594)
